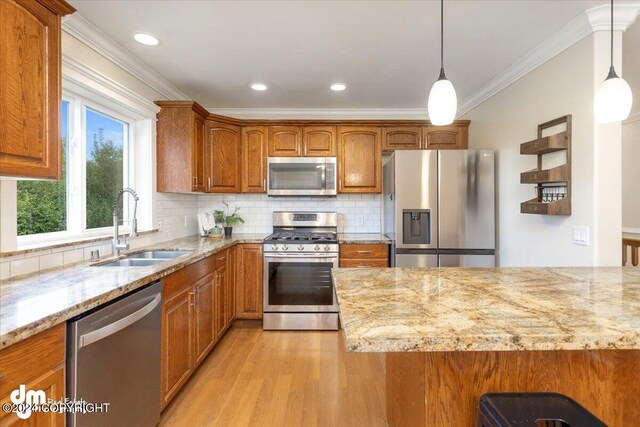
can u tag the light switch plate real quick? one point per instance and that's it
(581, 235)
(360, 220)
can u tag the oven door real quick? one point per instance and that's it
(301, 176)
(298, 283)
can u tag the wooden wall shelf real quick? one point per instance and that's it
(558, 178)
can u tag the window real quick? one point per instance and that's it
(95, 166)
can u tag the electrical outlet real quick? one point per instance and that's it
(186, 221)
(360, 220)
(159, 223)
(581, 235)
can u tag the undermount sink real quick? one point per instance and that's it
(131, 262)
(159, 254)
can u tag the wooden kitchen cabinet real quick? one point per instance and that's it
(364, 255)
(223, 159)
(180, 147)
(39, 363)
(285, 141)
(203, 295)
(254, 159)
(401, 138)
(319, 141)
(30, 48)
(451, 137)
(232, 273)
(249, 281)
(359, 159)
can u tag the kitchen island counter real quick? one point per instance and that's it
(452, 334)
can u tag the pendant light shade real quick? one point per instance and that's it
(613, 99)
(443, 102)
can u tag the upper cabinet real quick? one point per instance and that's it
(454, 136)
(31, 95)
(180, 150)
(285, 141)
(319, 141)
(254, 159)
(402, 138)
(223, 160)
(360, 159)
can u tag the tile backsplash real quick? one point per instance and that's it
(356, 213)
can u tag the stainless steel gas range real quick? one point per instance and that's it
(298, 258)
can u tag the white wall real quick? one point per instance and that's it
(564, 85)
(356, 213)
(631, 176)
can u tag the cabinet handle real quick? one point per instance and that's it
(195, 182)
(209, 183)
(264, 184)
(222, 258)
(364, 252)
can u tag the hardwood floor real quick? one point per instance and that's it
(281, 378)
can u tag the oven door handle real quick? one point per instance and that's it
(300, 257)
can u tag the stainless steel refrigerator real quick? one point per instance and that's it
(439, 208)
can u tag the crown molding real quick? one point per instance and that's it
(83, 30)
(593, 19)
(624, 14)
(323, 113)
(96, 82)
(634, 116)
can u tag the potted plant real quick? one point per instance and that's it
(228, 220)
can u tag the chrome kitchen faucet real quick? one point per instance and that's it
(124, 245)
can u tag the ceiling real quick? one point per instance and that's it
(387, 52)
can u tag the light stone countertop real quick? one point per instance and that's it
(499, 309)
(36, 302)
(363, 238)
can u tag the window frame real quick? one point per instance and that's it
(76, 226)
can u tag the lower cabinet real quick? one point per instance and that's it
(38, 363)
(364, 255)
(249, 281)
(222, 290)
(203, 296)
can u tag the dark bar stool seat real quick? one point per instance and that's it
(533, 410)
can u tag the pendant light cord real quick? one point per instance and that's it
(442, 34)
(611, 33)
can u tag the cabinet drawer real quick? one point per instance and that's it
(184, 278)
(353, 263)
(31, 358)
(221, 259)
(358, 251)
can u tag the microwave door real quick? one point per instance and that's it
(300, 176)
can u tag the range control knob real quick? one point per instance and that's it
(300, 247)
(274, 247)
(316, 247)
(327, 247)
(285, 247)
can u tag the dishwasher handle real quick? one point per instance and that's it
(118, 325)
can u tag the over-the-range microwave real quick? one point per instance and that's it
(301, 176)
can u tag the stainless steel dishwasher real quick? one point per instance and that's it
(113, 356)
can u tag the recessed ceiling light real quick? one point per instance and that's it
(338, 87)
(146, 39)
(258, 86)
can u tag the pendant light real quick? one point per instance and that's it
(443, 104)
(613, 99)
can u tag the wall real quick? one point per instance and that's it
(631, 175)
(356, 213)
(564, 85)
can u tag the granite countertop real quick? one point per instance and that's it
(364, 238)
(499, 309)
(36, 302)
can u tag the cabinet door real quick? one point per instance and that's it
(249, 282)
(446, 137)
(231, 284)
(319, 141)
(401, 138)
(220, 299)
(204, 321)
(285, 141)
(52, 383)
(254, 159)
(198, 153)
(30, 96)
(360, 160)
(223, 158)
(177, 348)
